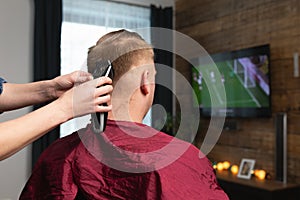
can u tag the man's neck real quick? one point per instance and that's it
(122, 113)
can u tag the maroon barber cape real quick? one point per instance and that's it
(127, 161)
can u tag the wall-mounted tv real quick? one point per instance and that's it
(244, 75)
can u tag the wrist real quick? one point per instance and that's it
(48, 87)
(63, 111)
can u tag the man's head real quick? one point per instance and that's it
(133, 65)
(123, 48)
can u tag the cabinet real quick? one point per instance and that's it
(243, 189)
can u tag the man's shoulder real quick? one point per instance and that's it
(191, 174)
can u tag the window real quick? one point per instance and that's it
(84, 22)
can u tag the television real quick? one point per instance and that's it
(233, 84)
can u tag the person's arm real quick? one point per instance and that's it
(16, 134)
(16, 96)
(78, 101)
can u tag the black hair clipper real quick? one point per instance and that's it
(103, 68)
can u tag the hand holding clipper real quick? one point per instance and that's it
(103, 68)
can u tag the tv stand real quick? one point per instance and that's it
(238, 189)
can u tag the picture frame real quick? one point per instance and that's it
(246, 167)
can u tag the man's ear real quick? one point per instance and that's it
(145, 85)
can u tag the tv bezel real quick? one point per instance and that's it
(240, 112)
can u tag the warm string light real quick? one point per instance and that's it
(215, 166)
(226, 165)
(234, 169)
(222, 165)
(260, 174)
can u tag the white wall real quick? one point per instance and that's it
(16, 41)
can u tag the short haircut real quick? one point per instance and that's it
(122, 48)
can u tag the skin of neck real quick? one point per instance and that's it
(133, 93)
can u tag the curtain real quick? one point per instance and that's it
(47, 31)
(163, 18)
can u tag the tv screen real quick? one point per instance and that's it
(243, 75)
